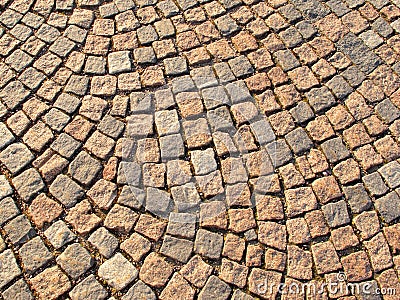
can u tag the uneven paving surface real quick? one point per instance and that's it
(199, 149)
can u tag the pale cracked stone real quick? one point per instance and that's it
(5, 187)
(103, 193)
(196, 271)
(84, 168)
(177, 286)
(82, 218)
(16, 156)
(118, 272)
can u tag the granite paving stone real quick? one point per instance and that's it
(18, 289)
(118, 271)
(88, 288)
(197, 149)
(7, 258)
(59, 234)
(34, 254)
(51, 283)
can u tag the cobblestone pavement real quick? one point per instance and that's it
(199, 149)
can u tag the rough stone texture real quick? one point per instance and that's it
(325, 257)
(208, 244)
(75, 260)
(202, 146)
(28, 184)
(82, 218)
(140, 290)
(44, 210)
(84, 168)
(19, 230)
(19, 289)
(196, 271)
(51, 283)
(89, 288)
(104, 241)
(59, 234)
(215, 289)
(155, 270)
(11, 270)
(118, 271)
(34, 254)
(178, 286)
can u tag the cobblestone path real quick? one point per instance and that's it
(199, 149)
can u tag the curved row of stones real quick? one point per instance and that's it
(198, 149)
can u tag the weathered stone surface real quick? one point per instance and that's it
(207, 148)
(15, 157)
(84, 168)
(19, 230)
(5, 187)
(11, 269)
(155, 270)
(19, 289)
(28, 184)
(118, 271)
(215, 289)
(120, 219)
(51, 283)
(257, 280)
(82, 218)
(8, 210)
(75, 260)
(196, 271)
(178, 249)
(140, 290)
(103, 193)
(34, 254)
(67, 191)
(89, 288)
(178, 286)
(104, 241)
(325, 257)
(59, 234)
(208, 244)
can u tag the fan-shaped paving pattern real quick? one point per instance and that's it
(199, 149)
